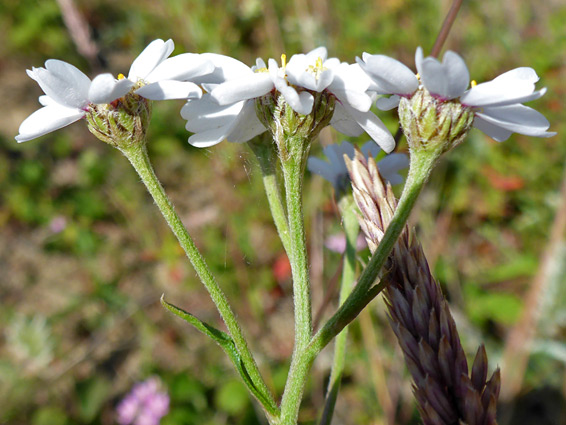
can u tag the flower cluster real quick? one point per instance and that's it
(69, 94)
(228, 100)
(496, 105)
(146, 404)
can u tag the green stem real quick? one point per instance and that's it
(363, 293)
(137, 155)
(351, 229)
(293, 171)
(267, 158)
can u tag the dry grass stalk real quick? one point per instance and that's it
(447, 392)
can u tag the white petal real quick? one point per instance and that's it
(247, 126)
(358, 100)
(205, 114)
(226, 68)
(518, 119)
(344, 123)
(213, 123)
(419, 59)
(46, 100)
(299, 75)
(387, 103)
(169, 89)
(63, 83)
(259, 64)
(155, 53)
(301, 103)
(46, 120)
(248, 87)
(391, 76)
(210, 122)
(105, 88)
(373, 127)
(276, 72)
(448, 79)
(494, 131)
(319, 52)
(350, 77)
(209, 137)
(332, 63)
(515, 86)
(182, 67)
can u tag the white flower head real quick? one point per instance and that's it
(297, 81)
(68, 93)
(160, 77)
(335, 171)
(497, 105)
(352, 116)
(230, 115)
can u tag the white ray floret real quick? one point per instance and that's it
(68, 92)
(497, 104)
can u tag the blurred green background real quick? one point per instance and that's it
(85, 255)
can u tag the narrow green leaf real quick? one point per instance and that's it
(227, 344)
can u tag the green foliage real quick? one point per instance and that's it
(232, 397)
(49, 416)
(92, 394)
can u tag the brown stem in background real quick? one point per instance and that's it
(80, 33)
(446, 26)
(517, 346)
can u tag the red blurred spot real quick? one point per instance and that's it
(281, 268)
(176, 273)
(501, 182)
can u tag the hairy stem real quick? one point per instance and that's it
(293, 171)
(267, 158)
(364, 292)
(137, 155)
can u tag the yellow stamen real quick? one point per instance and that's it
(474, 83)
(317, 69)
(283, 60)
(418, 76)
(121, 76)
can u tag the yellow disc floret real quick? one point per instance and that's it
(317, 69)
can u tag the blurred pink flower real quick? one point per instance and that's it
(337, 242)
(58, 224)
(146, 404)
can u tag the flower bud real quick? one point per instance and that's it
(288, 126)
(121, 123)
(434, 125)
